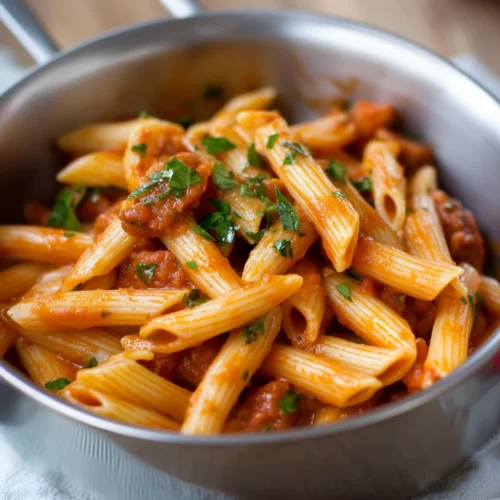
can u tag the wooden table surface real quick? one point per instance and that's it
(446, 26)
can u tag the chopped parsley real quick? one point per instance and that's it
(463, 300)
(336, 170)
(144, 114)
(213, 92)
(338, 194)
(69, 235)
(479, 299)
(271, 140)
(295, 146)
(245, 376)
(254, 158)
(221, 222)
(179, 175)
(345, 291)
(185, 121)
(472, 305)
(364, 184)
(251, 332)
(289, 403)
(140, 148)
(223, 178)
(215, 145)
(63, 213)
(105, 314)
(255, 237)
(58, 384)
(192, 264)
(284, 248)
(145, 272)
(194, 299)
(288, 215)
(254, 186)
(204, 234)
(289, 158)
(92, 362)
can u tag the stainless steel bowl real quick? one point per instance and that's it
(391, 452)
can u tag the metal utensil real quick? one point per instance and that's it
(390, 452)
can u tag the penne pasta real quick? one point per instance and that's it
(326, 379)
(326, 207)
(18, 278)
(214, 275)
(86, 309)
(304, 311)
(266, 257)
(42, 365)
(424, 181)
(371, 224)
(48, 282)
(369, 317)
(110, 248)
(227, 376)
(452, 328)
(99, 137)
(389, 183)
(419, 278)
(489, 290)
(130, 381)
(236, 309)
(95, 170)
(107, 406)
(380, 362)
(42, 244)
(80, 347)
(8, 336)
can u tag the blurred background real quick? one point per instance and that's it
(448, 27)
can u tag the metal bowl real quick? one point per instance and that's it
(391, 452)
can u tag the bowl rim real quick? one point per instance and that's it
(473, 364)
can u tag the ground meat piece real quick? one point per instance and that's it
(461, 231)
(153, 219)
(163, 365)
(92, 206)
(420, 315)
(413, 154)
(194, 362)
(168, 274)
(370, 116)
(261, 410)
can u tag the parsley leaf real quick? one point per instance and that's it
(479, 299)
(284, 248)
(223, 178)
(143, 188)
(184, 121)
(140, 148)
(192, 264)
(63, 214)
(92, 362)
(254, 186)
(345, 291)
(144, 114)
(215, 145)
(463, 300)
(289, 158)
(194, 299)
(145, 272)
(270, 207)
(58, 384)
(336, 170)
(255, 237)
(204, 234)
(69, 235)
(250, 333)
(271, 141)
(288, 215)
(364, 184)
(254, 158)
(213, 92)
(295, 146)
(339, 195)
(245, 375)
(289, 403)
(472, 305)
(221, 222)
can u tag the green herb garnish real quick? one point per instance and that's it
(284, 248)
(220, 221)
(192, 265)
(338, 194)
(215, 145)
(364, 184)
(289, 403)
(345, 291)
(255, 237)
(140, 148)
(295, 146)
(145, 272)
(223, 178)
(58, 384)
(254, 158)
(336, 170)
(204, 234)
(92, 362)
(289, 158)
(63, 213)
(288, 215)
(194, 299)
(250, 333)
(254, 186)
(271, 141)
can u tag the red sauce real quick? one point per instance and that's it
(154, 219)
(370, 116)
(420, 315)
(461, 231)
(168, 274)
